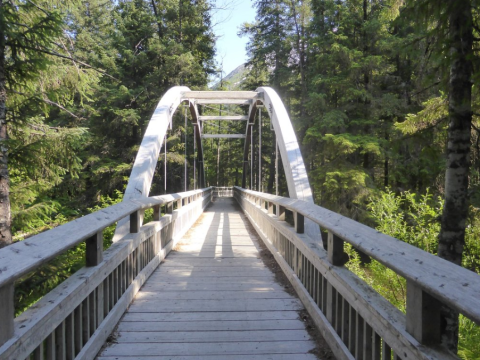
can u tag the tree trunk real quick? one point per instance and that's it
(452, 234)
(5, 219)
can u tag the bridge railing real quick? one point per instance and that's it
(222, 191)
(75, 319)
(355, 320)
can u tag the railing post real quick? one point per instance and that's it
(170, 207)
(179, 204)
(135, 222)
(423, 315)
(299, 223)
(7, 313)
(156, 213)
(281, 213)
(270, 207)
(94, 249)
(335, 250)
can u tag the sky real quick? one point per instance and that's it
(231, 47)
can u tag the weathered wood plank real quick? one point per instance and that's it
(210, 295)
(194, 349)
(209, 272)
(219, 305)
(209, 336)
(210, 316)
(213, 357)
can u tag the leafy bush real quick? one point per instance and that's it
(415, 219)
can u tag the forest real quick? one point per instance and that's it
(382, 95)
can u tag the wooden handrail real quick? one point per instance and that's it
(453, 285)
(75, 318)
(22, 257)
(356, 321)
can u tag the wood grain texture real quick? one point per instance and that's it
(207, 305)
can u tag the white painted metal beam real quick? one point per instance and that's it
(229, 118)
(292, 160)
(220, 95)
(223, 136)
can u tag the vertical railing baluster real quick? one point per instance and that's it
(368, 342)
(386, 351)
(331, 304)
(93, 312)
(78, 322)
(85, 320)
(7, 312)
(359, 338)
(50, 347)
(39, 352)
(106, 295)
(60, 353)
(376, 347)
(352, 330)
(70, 337)
(345, 320)
(100, 303)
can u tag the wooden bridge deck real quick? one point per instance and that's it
(213, 298)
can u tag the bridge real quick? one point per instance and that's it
(192, 284)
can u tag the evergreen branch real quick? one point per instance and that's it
(425, 89)
(50, 102)
(54, 53)
(429, 127)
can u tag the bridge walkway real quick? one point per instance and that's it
(213, 298)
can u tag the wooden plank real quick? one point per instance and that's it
(213, 357)
(213, 285)
(210, 295)
(209, 272)
(233, 325)
(220, 305)
(194, 349)
(210, 316)
(209, 336)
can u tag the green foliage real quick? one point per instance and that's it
(414, 219)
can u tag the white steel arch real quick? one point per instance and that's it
(292, 160)
(140, 180)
